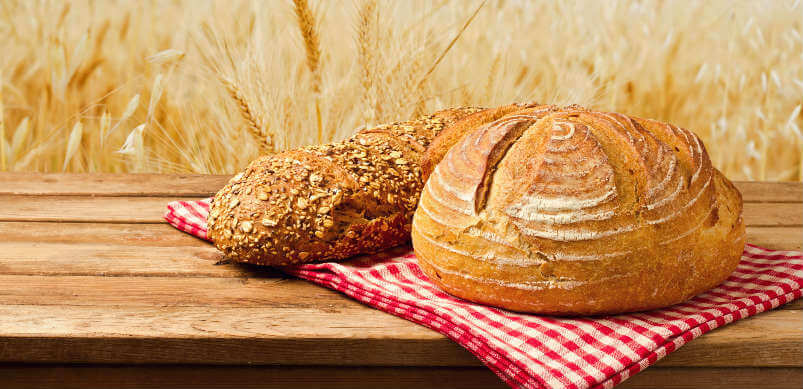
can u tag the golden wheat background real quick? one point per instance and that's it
(205, 86)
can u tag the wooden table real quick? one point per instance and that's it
(97, 291)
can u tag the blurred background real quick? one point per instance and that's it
(206, 86)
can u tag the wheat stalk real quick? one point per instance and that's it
(80, 79)
(72, 144)
(309, 32)
(63, 15)
(156, 94)
(410, 91)
(452, 42)
(168, 56)
(224, 66)
(3, 142)
(77, 57)
(31, 156)
(492, 73)
(130, 108)
(134, 147)
(365, 55)
(20, 135)
(254, 126)
(100, 35)
(312, 45)
(105, 126)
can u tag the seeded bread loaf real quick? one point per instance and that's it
(329, 201)
(574, 212)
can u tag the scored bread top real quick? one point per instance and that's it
(567, 199)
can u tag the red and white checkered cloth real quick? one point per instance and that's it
(530, 351)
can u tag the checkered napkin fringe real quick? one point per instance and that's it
(529, 351)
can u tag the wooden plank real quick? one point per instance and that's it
(776, 238)
(314, 336)
(62, 268)
(115, 260)
(83, 209)
(209, 376)
(150, 210)
(767, 192)
(213, 335)
(159, 250)
(716, 378)
(245, 287)
(139, 235)
(773, 214)
(200, 185)
(108, 184)
(260, 287)
(163, 235)
(157, 263)
(342, 323)
(34, 258)
(279, 377)
(720, 347)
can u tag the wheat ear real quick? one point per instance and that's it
(264, 138)
(312, 46)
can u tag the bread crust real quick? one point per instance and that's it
(459, 129)
(580, 213)
(329, 201)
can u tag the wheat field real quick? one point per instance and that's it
(206, 86)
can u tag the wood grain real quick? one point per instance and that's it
(253, 287)
(34, 258)
(120, 268)
(200, 185)
(139, 235)
(164, 235)
(770, 192)
(256, 288)
(773, 214)
(343, 333)
(183, 376)
(49, 248)
(776, 238)
(123, 209)
(715, 378)
(107, 184)
(94, 209)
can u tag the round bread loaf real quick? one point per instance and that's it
(568, 211)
